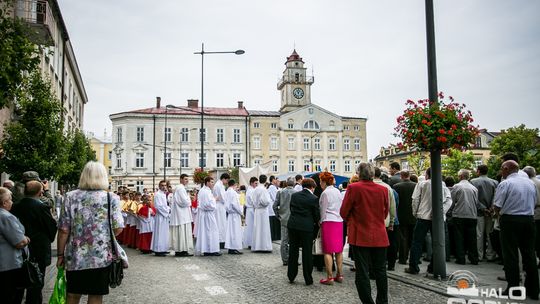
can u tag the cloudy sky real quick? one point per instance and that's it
(368, 57)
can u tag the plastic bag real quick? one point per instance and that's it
(59, 293)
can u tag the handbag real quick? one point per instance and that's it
(30, 275)
(317, 244)
(116, 269)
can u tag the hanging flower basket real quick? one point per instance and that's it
(199, 176)
(428, 126)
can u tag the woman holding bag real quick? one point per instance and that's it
(84, 238)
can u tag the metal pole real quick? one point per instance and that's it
(202, 109)
(154, 157)
(181, 138)
(439, 258)
(165, 146)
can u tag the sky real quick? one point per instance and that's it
(367, 57)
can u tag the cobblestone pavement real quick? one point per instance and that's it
(248, 278)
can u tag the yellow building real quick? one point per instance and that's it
(103, 148)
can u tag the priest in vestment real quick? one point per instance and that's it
(207, 232)
(221, 213)
(181, 236)
(250, 212)
(262, 239)
(160, 237)
(233, 237)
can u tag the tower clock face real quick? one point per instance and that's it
(298, 93)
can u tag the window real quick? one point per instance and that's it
(202, 158)
(273, 125)
(357, 144)
(404, 165)
(296, 77)
(184, 157)
(257, 162)
(290, 143)
(140, 186)
(291, 165)
(306, 144)
(332, 144)
(346, 128)
(478, 142)
(347, 166)
(140, 134)
(256, 125)
(275, 167)
(219, 135)
(167, 134)
(332, 166)
(139, 160)
(219, 160)
(202, 135)
(273, 143)
(318, 165)
(119, 135)
(477, 163)
(236, 136)
(346, 144)
(311, 125)
(109, 170)
(332, 123)
(167, 161)
(290, 124)
(307, 165)
(118, 160)
(184, 135)
(356, 164)
(110, 155)
(256, 142)
(317, 144)
(356, 128)
(236, 159)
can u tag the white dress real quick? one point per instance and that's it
(160, 237)
(262, 239)
(250, 213)
(233, 238)
(207, 231)
(221, 213)
(181, 237)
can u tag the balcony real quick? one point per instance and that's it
(293, 79)
(40, 19)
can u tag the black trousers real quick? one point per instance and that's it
(517, 231)
(405, 233)
(8, 291)
(275, 228)
(33, 295)
(465, 239)
(537, 242)
(299, 239)
(372, 259)
(391, 253)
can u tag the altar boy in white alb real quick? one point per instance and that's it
(221, 213)
(207, 233)
(181, 218)
(233, 237)
(160, 238)
(262, 240)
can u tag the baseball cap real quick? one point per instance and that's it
(30, 176)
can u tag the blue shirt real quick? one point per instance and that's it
(11, 233)
(516, 195)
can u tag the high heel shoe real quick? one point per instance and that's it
(339, 279)
(327, 281)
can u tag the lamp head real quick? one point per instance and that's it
(239, 52)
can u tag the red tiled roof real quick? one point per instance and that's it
(190, 111)
(294, 57)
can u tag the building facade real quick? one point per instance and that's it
(163, 141)
(58, 63)
(103, 148)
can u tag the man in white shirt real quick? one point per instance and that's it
(298, 186)
(275, 229)
(207, 233)
(221, 213)
(262, 241)
(233, 237)
(181, 218)
(250, 212)
(160, 237)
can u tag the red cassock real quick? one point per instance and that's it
(365, 207)
(144, 240)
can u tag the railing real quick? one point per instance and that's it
(293, 79)
(38, 13)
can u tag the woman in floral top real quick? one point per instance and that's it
(84, 243)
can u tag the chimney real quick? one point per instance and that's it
(158, 102)
(240, 104)
(193, 103)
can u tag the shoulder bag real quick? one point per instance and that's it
(317, 244)
(116, 269)
(29, 274)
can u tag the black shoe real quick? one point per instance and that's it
(474, 263)
(212, 254)
(391, 268)
(460, 262)
(222, 245)
(160, 254)
(309, 283)
(402, 262)
(233, 251)
(410, 271)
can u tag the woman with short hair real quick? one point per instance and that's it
(84, 240)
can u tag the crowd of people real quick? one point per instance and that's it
(385, 216)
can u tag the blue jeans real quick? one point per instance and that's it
(419, 235)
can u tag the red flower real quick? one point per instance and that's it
(442, 131)
(424, 121)
(454, 127)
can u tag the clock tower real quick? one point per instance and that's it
(295, 85)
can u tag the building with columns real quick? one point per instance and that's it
(153, 143)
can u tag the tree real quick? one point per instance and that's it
(18, 57)
(520, 140)
(456, 160)
(418, 162)
(79, 153)
(35, 140)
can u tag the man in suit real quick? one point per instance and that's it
(282, 209)
(405, 189)
(40, 227)
(395, 174)
(305, 214)
(366, 206)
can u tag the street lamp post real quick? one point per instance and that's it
(202, 53)
(311, 142)
(181, 140)
(165, 146)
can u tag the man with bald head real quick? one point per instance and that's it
(515, 200)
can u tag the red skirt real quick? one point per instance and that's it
(145, 239)
(332, 237)
(134, 237)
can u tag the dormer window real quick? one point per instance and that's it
(311, 125)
